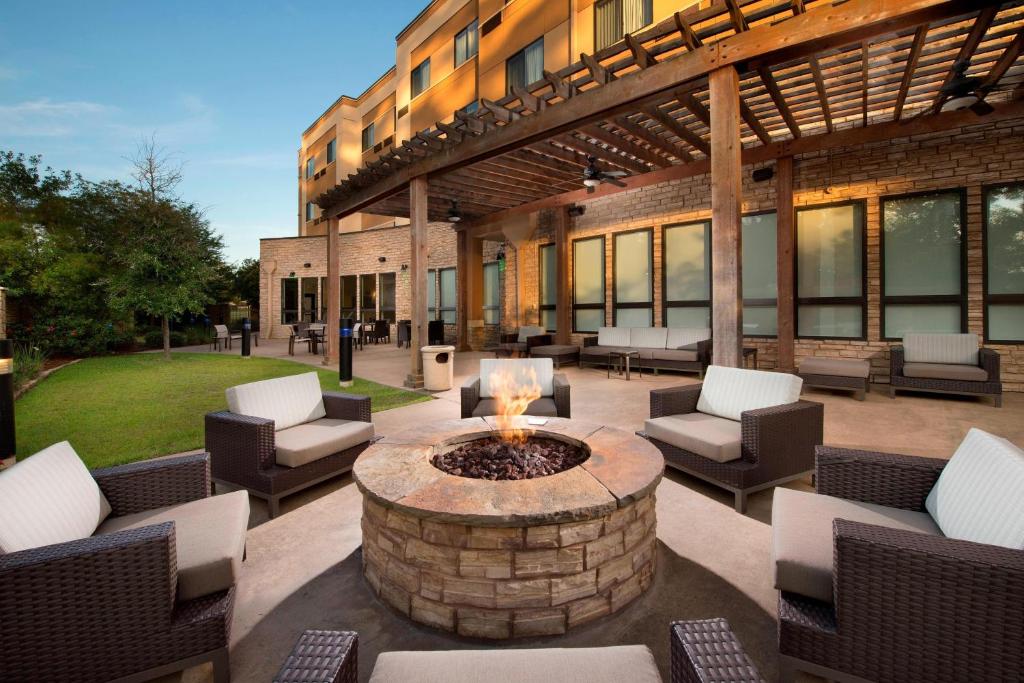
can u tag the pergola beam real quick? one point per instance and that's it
(908, 72)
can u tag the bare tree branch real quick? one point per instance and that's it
(155, 170)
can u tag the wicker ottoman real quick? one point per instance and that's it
(558, 353)
(708, 652)
(849, 374)
(321, 657)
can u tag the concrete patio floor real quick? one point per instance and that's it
(303, 568)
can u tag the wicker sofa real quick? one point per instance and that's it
(897, 570)
(124, 573)
(283, 435)
(742, 430)
(657, 348)
(945, 364)
(522, 340)
(477, 396)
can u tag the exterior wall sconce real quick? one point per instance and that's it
(405, 266)
(307, 265)
(382, 259)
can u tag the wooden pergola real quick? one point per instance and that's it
(705, 91)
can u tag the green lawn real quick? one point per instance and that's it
(119, 409)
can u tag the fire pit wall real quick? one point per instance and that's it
(502, 582)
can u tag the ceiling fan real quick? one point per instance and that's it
(593, 176)
(969, 92)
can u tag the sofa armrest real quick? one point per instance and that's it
(240, 447)
(895, 361)
(782, 438)
(589, 341)
(538, 340)
(508, 337)
(470, 396)
(563, 404)
(342, 406)
(897, 481)
(704, 350)
(706, 651)
(988, 360)
(675, 400)
(157, 483)
(321, 656)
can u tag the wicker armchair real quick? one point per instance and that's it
(907, 606)
(523, 340)
(104, 607)
(988, 360)
(557, 403)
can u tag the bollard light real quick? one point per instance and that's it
(246, 338)
(7, 441)
(345, 357)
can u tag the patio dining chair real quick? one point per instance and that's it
(382, 331)
(301, 338)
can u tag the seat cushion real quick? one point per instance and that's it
(542, 407)
(648, 337)
(554, 350)
(633, 663)
(304, 443)
(49, 498)
(836, 367)
(714, 438)
(962, 373)
(613, 336)
(287, 401)
(684, 337)
(528, 331)
(209, 536)
(980, 494)
(675, 354)
(729, 392)
(802, 542)
(523, 372)
(940, 348)
(513, 346)
(602, 352)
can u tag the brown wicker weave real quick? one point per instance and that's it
(777, 444)
(470, 396)
(509, 343)
(706, 651)
(700, 366)
(860, 386)
(322, 657)
(104, 608)
(908, 606)
(243, 452)
(988, 359)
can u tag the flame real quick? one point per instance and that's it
(513, 391)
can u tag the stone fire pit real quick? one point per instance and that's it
(505, 559)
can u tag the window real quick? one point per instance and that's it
(431, 295)
(525, 66)
(760, 275)
(830, 246)
(588, 284)
(448, 302)
(368, 137)
(548, 287)
(421, 77)
(323, 299)
(310, 167)
(332, 149)
(633, 275)
(309, 292)
(368, 297)
(492, 293)
(387, 296)
(470, 108)
(923, 257)
(686, 273)
(466, 44)
(310, 211)
(1004, 263)
(615, 18)
(289, 301)
(348, 297)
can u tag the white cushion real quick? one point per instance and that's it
(520, 368)
(648, 337)
(287, 401)
(49, 498)
(729, 392)
(980, 494)
(940, 348)
(304, 443)
(681, 337)
(613, 336)
(714, 438)
(528, 331)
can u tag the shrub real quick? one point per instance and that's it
(68, 335)
(28, 363)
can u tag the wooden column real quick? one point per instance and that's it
(785, 238)
(462, 290)
(333, 293)
(726, 214)
(417, 277)
(563, 303)
(470, 286)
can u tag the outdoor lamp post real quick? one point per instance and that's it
(7, 444)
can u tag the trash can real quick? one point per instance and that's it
(435, 332)
(438, 367)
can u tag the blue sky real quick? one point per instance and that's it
(227, 87)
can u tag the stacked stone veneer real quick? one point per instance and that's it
(509, 582)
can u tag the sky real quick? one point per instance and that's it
(225, 87)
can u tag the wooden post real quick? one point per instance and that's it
(785, 237)
(462, 240)
(470, 287)
(563, 313)
(726, 214)
(417, 277)
(333, 294)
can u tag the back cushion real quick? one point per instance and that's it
(520, 369)
(49, 498)
(529, 331)
(941, 348)
(613, 336)
(681, 337)
(980, 494)
(648, 337)
(729, 392)
(287, 401)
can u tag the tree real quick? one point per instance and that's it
(247, 282)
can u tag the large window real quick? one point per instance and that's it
(923, 258)
(332, 150)
(309, 299)
(448, 295)
(368, 137)
(421, 77)
(431, 294)
(492, 293)
(525, 66)
(830, 272)
(587, 284)
(615, 18)
(348, 296)
(387, 296)
(760, 275)
(686, 273)
(466, 44)
(548, 288)
(310, 211)
(1004, 263)
(633, 275)
(368, 297)
(310, 167)
(289, 301)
